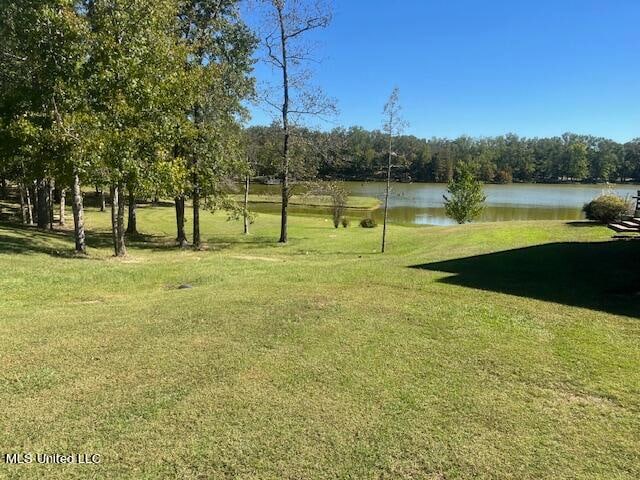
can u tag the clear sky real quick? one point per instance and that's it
(483, 68)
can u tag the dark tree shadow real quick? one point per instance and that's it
(584, 223)
(29, 239)
(601, 276)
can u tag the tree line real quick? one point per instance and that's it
(141, 99)
(132, 97)
(358, 154)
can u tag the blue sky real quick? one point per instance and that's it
(483, 68)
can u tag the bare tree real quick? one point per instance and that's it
(287, 22)
(338, 195)
(393, 125)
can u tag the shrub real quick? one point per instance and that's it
(606, 208)
(345, 222)
(338, 196)
(368, 223)
(337, 215)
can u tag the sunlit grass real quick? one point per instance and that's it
(319, 359)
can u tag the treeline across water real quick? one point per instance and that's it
(358, 154)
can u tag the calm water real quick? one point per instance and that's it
(421, 203)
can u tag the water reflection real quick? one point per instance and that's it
(422, 203)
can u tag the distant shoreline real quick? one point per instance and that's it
(380, 180)
(353, 202)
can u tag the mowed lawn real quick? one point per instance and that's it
(497, 351)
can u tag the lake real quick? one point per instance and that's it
(422, 203)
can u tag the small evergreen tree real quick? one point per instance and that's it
(466, 199)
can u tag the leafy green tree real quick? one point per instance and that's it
(136, 80)
(577, 167)
(604, 159)
(466, 197)
(629, 165)
(42, 100)
(219, 63)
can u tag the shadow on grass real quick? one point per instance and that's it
(24, 239)
(602, 276)
(584, 223)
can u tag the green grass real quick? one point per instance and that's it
(358, 203)
(506, 350)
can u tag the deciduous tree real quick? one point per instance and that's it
(287, 23)
(220, 48)
(136, 80)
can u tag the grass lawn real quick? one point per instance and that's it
(497, 351)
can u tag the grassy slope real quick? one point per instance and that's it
(320, 359)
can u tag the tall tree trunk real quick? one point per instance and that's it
(27, 191)
(114, 217)
(51, 201)
(23, 204)
(34, 199)
(42, 206)
(4, 193)
(132, 223)
(117, 221)
(284, 226)
(101, 197)
(197, 244)
(285, 126)
(181, 237)
(63, 204)
(386, 196)
(78, 216)
(196, 212)
(121, 228)
(246, 205)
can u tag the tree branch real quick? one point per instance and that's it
(311, 24)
